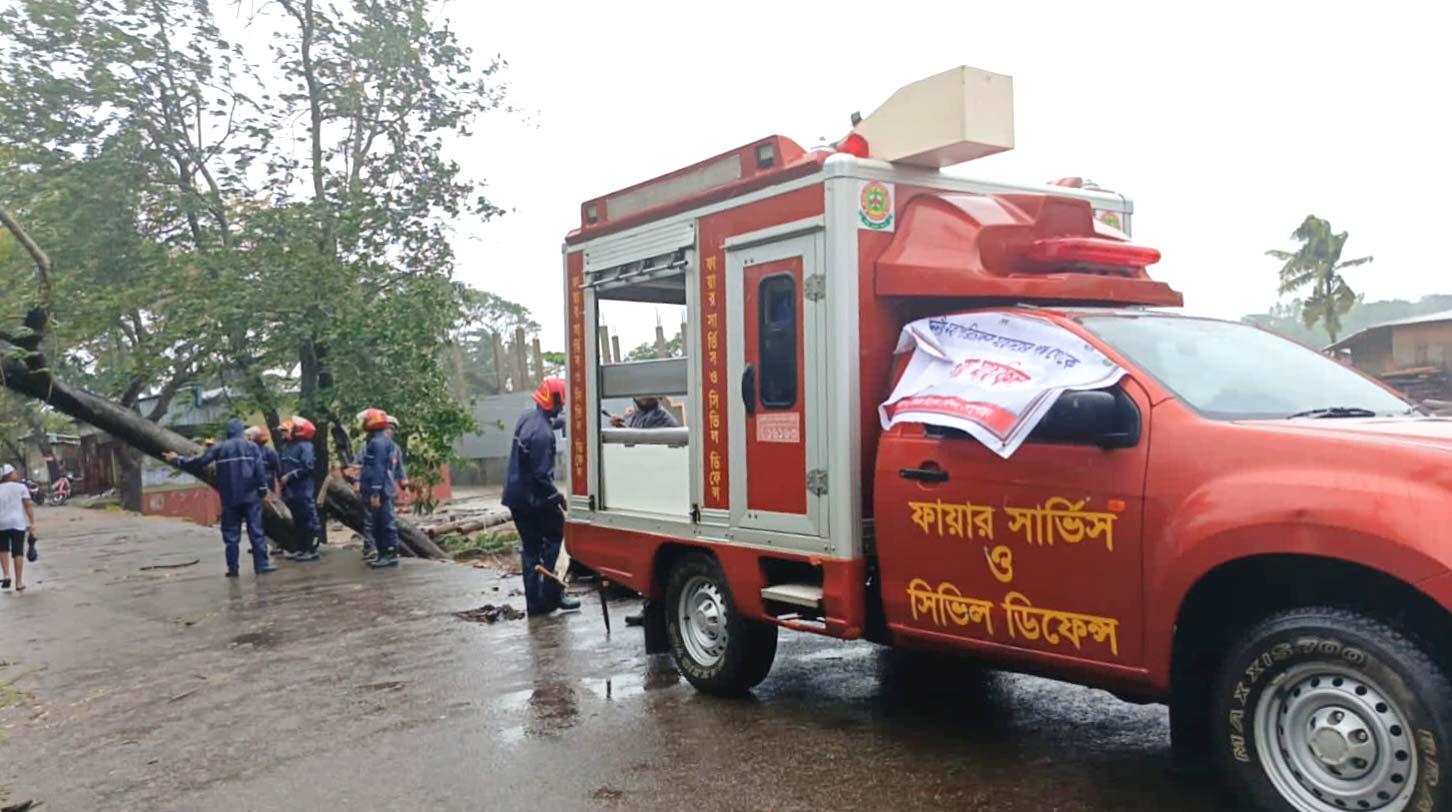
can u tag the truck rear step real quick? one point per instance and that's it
(808, 596)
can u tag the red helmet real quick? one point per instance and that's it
(303, 428)
(374, 419)
(550, 394)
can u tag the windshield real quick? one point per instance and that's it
(1234, 371)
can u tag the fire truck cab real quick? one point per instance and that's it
(1280, 579)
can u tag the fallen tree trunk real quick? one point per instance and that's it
(32, 380)
(466, 526)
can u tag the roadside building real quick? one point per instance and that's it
(1412, 355)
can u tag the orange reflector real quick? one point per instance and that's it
(1117, 506)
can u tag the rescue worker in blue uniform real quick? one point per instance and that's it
(271, 466)
(239, 482)
(534, 502)
(298, 463)
(377, 487)
(400, 476)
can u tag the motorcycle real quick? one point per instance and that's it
(61, 490)
(37, 491)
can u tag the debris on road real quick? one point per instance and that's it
(171, 566)
(489, 613)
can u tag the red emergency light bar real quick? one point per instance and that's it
(1014, 247)
(1091, 252)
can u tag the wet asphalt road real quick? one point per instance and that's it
(328, 686)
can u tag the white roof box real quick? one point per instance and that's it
(958, 115)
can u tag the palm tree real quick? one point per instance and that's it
(1318, 263)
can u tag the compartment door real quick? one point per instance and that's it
(778, 479)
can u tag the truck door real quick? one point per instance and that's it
(1041, 551)
(776, 449)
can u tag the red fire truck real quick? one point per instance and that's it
(1237, 526)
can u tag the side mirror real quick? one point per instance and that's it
(1095, 416)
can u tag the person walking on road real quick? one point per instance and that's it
(534, 502)
(377, 486)
(241, 486)
(298, 463)
(17, 520)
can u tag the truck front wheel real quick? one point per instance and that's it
(717, 650)
(1322, 710)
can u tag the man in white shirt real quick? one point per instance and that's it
(17, 516)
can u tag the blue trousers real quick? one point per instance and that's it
(232, 519)
(540, 535)
(368, 530)
(304, 512)
(385, 532)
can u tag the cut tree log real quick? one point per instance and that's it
(27, 378)
(466, 526)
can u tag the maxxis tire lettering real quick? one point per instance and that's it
(1417, 685)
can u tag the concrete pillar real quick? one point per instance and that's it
(604, 350)
(538, 355)
(497, 346)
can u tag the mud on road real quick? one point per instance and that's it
(330, 686)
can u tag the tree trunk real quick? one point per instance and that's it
(151, 439)
(129, 485)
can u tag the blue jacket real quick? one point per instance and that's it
(271, 466)
(298, 463)
(530, 483)
(396, 469)
(376, 478)
(239, 466)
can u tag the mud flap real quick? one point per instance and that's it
(656, 640)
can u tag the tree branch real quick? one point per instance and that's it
(37, 255)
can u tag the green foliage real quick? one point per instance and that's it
(1285, 317)
(1317, 264)
(674, 348)
(277, 219)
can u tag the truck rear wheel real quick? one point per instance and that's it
(1322, 710)
(717, 650)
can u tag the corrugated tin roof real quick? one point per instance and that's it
(1428, 318)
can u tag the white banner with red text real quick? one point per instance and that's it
(992, 375)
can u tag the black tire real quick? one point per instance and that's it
(749, 647)
(1390, 703)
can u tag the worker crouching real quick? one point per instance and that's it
(377, 486)
(533, 500)
(299, 461)
(239, 481)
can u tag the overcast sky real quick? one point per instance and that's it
(1226, 125)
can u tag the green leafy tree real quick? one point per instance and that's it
(286, 229)
(674, 348)
(122, 140)
(358, 263)
(1317, 265)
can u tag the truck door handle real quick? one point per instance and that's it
(748, 388)
(924, 474)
